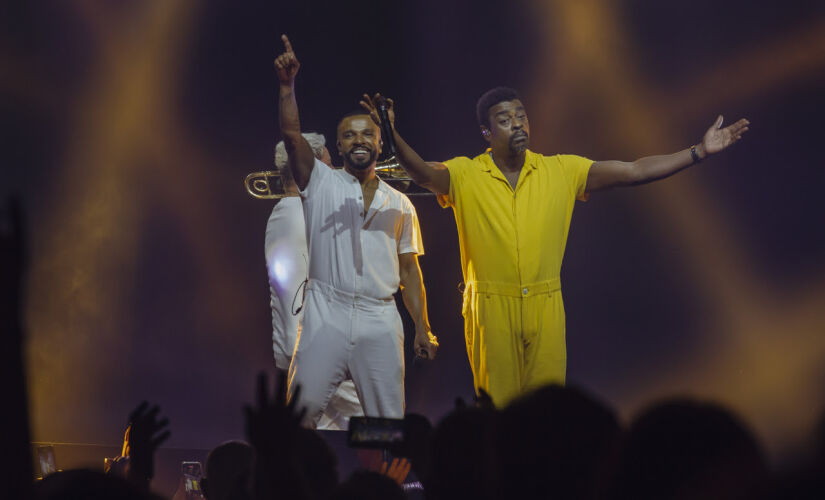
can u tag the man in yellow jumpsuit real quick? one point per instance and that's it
(512, 209)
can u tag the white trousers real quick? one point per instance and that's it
(348, 336)
(343, 405)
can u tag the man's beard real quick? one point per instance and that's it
(361, 164)
(521, 145)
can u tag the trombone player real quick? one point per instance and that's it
(364, 241)
(286, 264)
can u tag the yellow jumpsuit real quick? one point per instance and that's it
(512, 243)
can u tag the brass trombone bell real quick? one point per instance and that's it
(268, 185)
(391, 169)
(391, 172)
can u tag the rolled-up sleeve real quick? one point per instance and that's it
(576, 169)
(409, 241)
(455, 167)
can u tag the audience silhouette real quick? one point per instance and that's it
(89, 485)
(228, 472)
(683, 448)
(555, 442)
(461, 455)
(367, 485)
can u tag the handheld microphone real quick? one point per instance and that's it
(386, 127)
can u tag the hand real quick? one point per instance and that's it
(273, 427)
(371, 106)
(287, 64)
(397, 471)
(272, 424)
(717, 138)
(145, 435)
(426, 344)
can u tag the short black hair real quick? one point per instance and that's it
(355, 112)
(490, 99)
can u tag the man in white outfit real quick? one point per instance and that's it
(286, 263)
(364, 241)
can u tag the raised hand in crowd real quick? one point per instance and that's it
(144, 436)
(397, 470)
(273, 428)
(272, 424)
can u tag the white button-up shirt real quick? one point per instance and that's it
(353, 252)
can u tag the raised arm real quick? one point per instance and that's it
(298, 150)
(607, 174)
(415, 299)
(430, 175)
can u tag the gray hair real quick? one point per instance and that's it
(316, 142)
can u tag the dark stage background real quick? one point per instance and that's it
(130, 126)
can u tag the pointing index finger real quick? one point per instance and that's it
(287, 45)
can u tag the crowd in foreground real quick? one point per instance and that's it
(555, 442)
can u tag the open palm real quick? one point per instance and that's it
(717, 138)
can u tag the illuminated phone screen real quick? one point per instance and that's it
(192, 474)
(375, 432)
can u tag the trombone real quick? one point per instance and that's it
(268, 185)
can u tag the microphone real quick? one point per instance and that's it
(386, 127)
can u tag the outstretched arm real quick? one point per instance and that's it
(298, 150)
(429, 175)
(607, 174)
(415, 299)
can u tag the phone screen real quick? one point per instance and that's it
(375, 432)
(192, 475)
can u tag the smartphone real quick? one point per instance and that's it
(45, 460)
(375, 432)
(192, 475)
